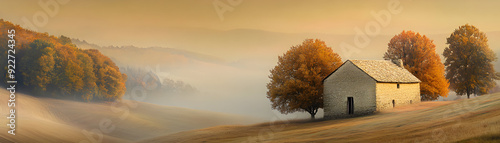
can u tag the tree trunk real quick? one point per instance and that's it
(312, 111)
(468, 95)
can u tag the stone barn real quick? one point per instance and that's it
(361, 87)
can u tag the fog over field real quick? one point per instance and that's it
(227, 57)
(239, 86)
(197, 70)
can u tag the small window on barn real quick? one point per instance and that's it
(398, 85)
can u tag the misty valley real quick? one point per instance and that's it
(249, 71)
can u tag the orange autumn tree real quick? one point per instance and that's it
(54, 67)
(420, 58)
(296, 82)
(469, 61)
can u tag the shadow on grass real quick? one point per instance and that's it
(317, 120)
(492, 138)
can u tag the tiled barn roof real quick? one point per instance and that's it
(385, 71)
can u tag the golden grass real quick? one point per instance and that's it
(448, 121)
(53, 120)
(493, 138)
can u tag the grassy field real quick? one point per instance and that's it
(466, 120)
(53, 120)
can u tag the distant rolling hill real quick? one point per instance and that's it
(475, 119)
(220, 83)
(54, 120)
(151, 56)
(243, 45)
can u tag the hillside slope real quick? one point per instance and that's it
(442, 121)
(151, 56)
(53, 120)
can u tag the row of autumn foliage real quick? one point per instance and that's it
(296, 82)
(54, 67)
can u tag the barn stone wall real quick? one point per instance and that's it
(407, 93)
(348, 81)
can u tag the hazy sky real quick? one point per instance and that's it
(132, 22)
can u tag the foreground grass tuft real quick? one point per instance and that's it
(493, 138)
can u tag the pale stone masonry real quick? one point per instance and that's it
(360, 87)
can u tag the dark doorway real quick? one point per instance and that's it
(350, 105)
(393, 103)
